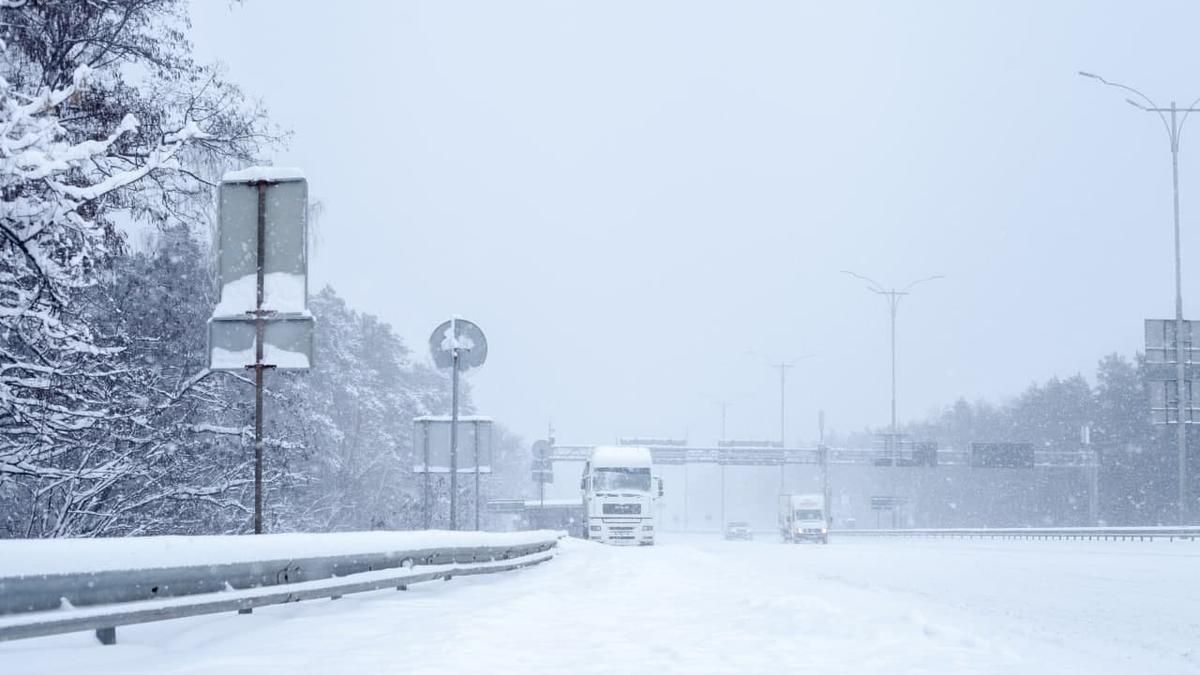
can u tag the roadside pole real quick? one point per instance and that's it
(459, 345)
(261, 245)
(454, 442)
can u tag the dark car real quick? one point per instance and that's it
(738, 530)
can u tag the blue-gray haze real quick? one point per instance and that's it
(642, 202)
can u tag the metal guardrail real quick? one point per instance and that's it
(50, 604)
(1084, 533)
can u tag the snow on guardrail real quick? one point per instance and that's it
(115, 582)
(20, 557)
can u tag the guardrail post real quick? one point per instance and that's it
(107, 636)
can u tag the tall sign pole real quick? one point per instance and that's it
(783, 368)
(454, 440)
(261, 321)
(458, 344)
(259, 330)
(475, 436)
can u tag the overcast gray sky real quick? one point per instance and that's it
(630, 197)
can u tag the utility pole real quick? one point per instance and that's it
(823, 456)
(724, 404)
(454, 439)
(542, 484)
(721, 461)
(260, 316)
(783, 368)
(1174, 127)
(893, 297)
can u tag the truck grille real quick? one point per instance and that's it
(622, 509)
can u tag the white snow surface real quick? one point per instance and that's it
(282, 292)
(696, 604)
(60, 556)
(620, 456)
(257, 173)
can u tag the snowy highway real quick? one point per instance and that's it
(697, 604)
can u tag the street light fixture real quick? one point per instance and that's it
(893, 297)
(1174, 127)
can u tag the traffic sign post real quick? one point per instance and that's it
(431, 451)
(543, 468)
(261, 320)
(1172, 350)
(458, 344)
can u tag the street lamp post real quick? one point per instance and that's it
(1174, 127)
(893, 297)
(783, 367)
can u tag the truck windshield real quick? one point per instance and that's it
(613, 479)
(809, 514)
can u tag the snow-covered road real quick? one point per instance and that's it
(697, 604)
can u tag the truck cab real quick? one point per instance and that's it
(803, 518)
(618, 495)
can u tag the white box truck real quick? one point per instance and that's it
(618, 495)
(803, 518)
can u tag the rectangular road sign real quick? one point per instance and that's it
(1161, 344)
(887, 502)
(284, 200)
(431, 444)
(1002, 455)
(287, 343)
(1164, 402)
(1162, 370)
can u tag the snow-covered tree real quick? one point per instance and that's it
(53, 250)
(110, 423)
(104, 120)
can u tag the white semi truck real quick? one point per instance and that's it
(618, 495)
(803, 518)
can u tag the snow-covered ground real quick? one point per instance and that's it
(696, 604)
